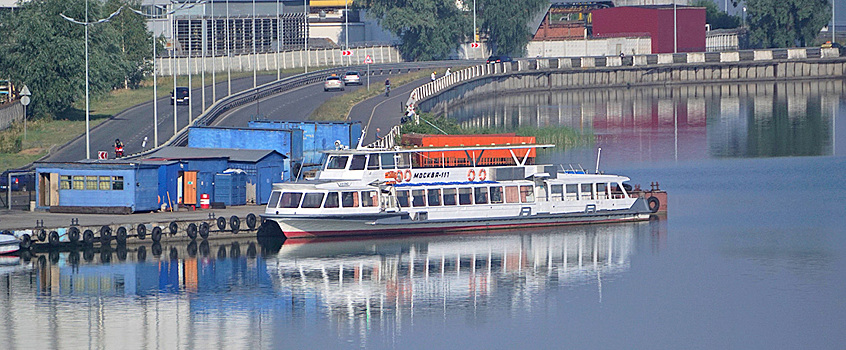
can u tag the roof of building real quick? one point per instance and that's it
(233, 154)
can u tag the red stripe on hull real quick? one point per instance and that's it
(430, 230)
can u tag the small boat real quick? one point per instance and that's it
(442, 189)
(8, 243)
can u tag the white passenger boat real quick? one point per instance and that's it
(445, 189)
(8, 243)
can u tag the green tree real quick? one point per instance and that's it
(47, 53)
(506, 23)
(135, 40)
(786, 23)
(428, 29)
(716, 18)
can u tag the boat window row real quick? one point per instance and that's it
(373, 161)
(586, 191)
(345, 199)
(434, 197)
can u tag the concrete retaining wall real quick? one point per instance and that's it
(535, 75)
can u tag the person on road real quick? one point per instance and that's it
(448, 72)
(434, 75)
(387, 87)
(378, 131)
(118, 148)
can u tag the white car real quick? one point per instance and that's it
(352, 78)
(333, 83)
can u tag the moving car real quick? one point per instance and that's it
(498, 59)
(333, 82)
(352, 78)
(182, 96)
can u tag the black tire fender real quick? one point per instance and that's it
(141, 230)
(174, 228)
(41, 235)
(120, 234)
(156, 235)
(204, 230)
(251, 221)
(88, 237)
(105, 234)
(73, 234)
(26, 241)
(654, 204)
(221, 223)
(235, 224)
(53, 238)
(191, 230)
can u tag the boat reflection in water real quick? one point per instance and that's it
(243, 294)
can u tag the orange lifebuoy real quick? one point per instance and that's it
(482, 175)
(471, 175)
(398, 176)
(407, 175)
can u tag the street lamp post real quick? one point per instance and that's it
(255, 53)
(305, 44)
(86, 23)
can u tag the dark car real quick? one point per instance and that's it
(182, 96)
(499, 58)
(21, 180)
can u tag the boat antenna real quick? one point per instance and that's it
(598, 153)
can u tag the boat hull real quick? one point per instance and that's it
(393, 224)
(8, 244)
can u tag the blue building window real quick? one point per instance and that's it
(89, 182)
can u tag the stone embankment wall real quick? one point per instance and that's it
(643, 70)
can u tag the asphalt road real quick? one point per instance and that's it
(133, 124)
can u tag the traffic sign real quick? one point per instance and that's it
(25, 100)
(474, 45)
(368, 60)
(25, 91)
(102, 155)
(346, 53)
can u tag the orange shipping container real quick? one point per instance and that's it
(460, 158)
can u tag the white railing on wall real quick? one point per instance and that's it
(280, 60)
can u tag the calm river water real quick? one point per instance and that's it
(752, 254)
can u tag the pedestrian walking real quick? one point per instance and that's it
(434, 74)
(448, 72)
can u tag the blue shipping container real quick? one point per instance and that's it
(317, 135)
(286, 142)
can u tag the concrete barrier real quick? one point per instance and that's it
(732, 56)
(665, 58)
(793, 54)
(696, 57)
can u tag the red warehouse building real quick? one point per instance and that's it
(657, 21)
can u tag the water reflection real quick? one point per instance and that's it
(362, 290)
(691, 121)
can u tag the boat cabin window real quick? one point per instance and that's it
(557, 191)
(312, 200)
(434, 197)
(403, 160)
(418, 198)
(349, 199)
(512, 194)
(449, 196)
(290, 199)
(358, 162)
(481, 195)
(373, 161)
(572, 192)
(402, 198)
(527, 194)
(601, 190)
(587, 191)
(465, 196)
(331, 200)
(274, 199)
(337, 162)
(369, 198)
(387, 160)
(496, 195)
(617, 191)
